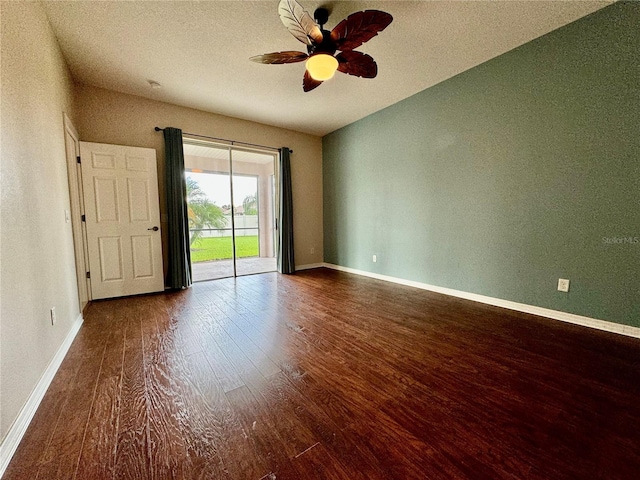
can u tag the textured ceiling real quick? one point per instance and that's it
(199, 51)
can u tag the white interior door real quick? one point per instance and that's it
(122, 219)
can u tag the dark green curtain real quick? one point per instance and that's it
(179, 268)
(286, 262)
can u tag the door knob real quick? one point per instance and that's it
(155, 229)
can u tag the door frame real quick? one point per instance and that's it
(231, 146)
(76, 200)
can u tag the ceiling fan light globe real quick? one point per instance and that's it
(322, 66)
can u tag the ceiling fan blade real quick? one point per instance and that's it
(280, 57)
(358, 28)
(357, 64)
(299, 22)
(309, 83)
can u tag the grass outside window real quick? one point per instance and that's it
(221, 248)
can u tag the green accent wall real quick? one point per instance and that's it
(501, 180)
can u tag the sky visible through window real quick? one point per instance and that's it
(216, 187)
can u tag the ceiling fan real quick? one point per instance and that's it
(322, 45)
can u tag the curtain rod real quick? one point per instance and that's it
(232, 142)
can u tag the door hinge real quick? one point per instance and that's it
(78, 159)
(88, 274)
(83, 218)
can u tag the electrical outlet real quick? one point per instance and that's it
(53, 315)
(375, 258)
(563, 285)
(313, 250)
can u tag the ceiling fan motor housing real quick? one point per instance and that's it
(321, 15)
(327, 45)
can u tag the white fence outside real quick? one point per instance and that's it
(246, 226)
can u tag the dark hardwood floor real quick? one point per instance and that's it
(326, 375)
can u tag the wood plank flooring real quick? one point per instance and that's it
(326, 375)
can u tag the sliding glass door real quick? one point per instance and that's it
(254, 203)
(231, 198)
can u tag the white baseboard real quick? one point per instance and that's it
(497, 302)
(19, 426)
(309, 266)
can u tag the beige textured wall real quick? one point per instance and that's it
(106, 116)
(36, 263)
